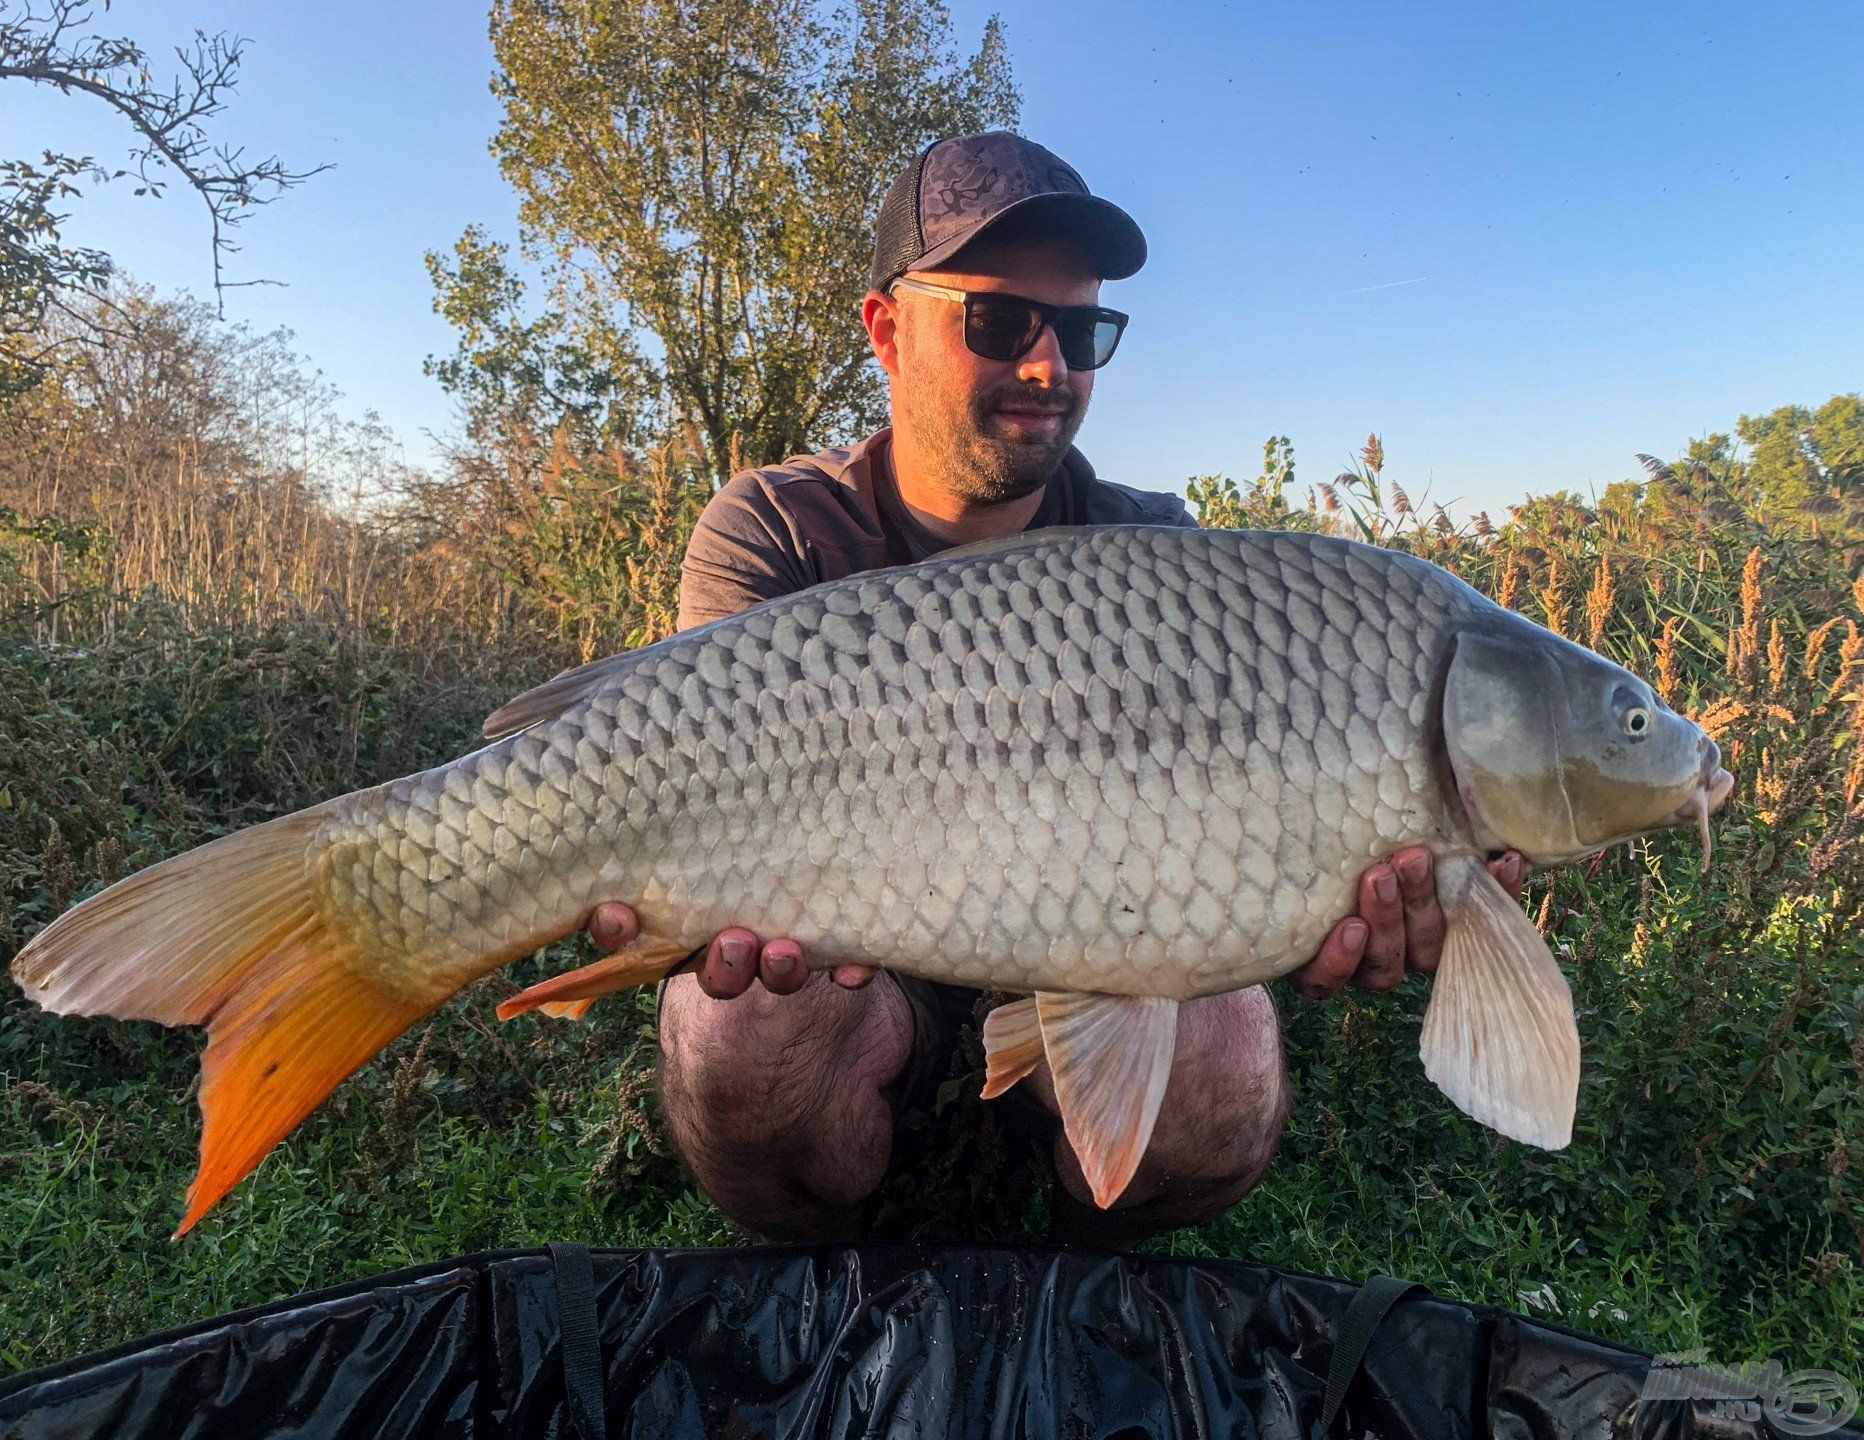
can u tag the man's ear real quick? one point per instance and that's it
(880, 314)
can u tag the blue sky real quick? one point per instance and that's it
(1522, 243)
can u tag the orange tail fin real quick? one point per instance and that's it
(568, 996)
(228, 936)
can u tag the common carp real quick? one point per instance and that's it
(1115, 768)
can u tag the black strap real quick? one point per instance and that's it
(1363, 1314)
(582, 1350)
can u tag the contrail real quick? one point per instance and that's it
(1391, 285)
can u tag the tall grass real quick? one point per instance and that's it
(177, 457)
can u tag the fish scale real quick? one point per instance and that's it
(1217, 705)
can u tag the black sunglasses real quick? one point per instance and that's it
(1006, 327)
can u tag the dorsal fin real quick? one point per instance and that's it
(553, 697)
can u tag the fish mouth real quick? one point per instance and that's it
(1717, 785)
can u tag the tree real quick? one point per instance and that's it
(520, 376)
(55, 46)
(1219, 502)
(1806, 461)
(699, 179)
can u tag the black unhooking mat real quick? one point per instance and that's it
(871, 1341)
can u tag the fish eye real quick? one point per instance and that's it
(1635, 714)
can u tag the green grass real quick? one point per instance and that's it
(1711, 1197)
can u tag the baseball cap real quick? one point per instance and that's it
(957, 189)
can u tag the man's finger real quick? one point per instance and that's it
(1327, 973)
(1383, 912)
(853, 977)
(1511, 869)
(614, 925)
(730, 964)
(1423, 916)
(781, 967)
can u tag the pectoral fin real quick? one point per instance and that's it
(1499, 1037)
(569, 995)
(1012, 1045)
(1110, 1056)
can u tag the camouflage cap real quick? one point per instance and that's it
(957, 189)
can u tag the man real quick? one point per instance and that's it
(782, 1088)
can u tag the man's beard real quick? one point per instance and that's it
(984, 464)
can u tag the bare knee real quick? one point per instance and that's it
(1220, 1122)
(1227, 1102)
(774, 1101)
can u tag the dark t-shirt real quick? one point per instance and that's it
(814, 518)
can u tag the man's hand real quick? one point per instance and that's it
(1399, 926)
(733, 960)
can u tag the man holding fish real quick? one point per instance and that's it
(1123, 772)
(985, 313)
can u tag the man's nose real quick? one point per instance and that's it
(1042, 363)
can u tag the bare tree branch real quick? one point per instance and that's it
(55, 44)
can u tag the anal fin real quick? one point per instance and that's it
(568, 996)
(1012, 1045)
(1110, 1056)
(1499, 1037)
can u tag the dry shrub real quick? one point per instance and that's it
(182, 458)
